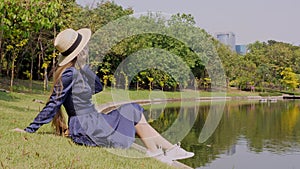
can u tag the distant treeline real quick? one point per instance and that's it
(145, 52)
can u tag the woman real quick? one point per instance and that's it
(74, 85)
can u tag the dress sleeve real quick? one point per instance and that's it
(93, 79)
(54, 103)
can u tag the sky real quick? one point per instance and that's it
(249, 20)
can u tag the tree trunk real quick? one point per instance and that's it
(1, 55)
(31, 71)
(39, 67)
(1, 39)
(41, 56)
(31, 65)
(7, 70)
(45, 79)
(1, 58)
(53, 58)
(12, 74)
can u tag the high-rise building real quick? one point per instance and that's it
(227, 38)
(241, 49)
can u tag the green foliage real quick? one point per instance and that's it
(289, 79)
(95, 18)
(29, 27)
(262, 66)
(172, 52)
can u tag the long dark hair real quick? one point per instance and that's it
(59, 121)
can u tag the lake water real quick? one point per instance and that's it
(245, 134)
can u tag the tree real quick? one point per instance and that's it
(263, 73)
(270, 58)
(279, 53)
(95, 18)
(257, 53)
(15, 22)
(289, 79)
(27, 32)
(230, 60)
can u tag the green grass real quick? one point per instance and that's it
(45, 150)
(110, 95)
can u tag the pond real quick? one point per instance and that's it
(244, 134)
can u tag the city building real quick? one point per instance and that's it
(241, 49)
(227, 38)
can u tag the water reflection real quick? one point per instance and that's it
(249, 135)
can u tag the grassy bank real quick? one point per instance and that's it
(45, 150)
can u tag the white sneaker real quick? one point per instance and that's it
(159, 155)
(177, 153)
(158, 152)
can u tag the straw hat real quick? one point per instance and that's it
(70, 43)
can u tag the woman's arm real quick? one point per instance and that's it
(55, 101)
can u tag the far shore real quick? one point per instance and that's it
(106, 107)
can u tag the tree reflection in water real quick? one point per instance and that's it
(261, 127)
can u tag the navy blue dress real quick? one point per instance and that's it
(86, 125)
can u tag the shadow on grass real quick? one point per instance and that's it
(68, 138)
(8, 97)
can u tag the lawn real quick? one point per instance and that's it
(46, 150)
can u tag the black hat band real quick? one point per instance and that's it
(73, 47)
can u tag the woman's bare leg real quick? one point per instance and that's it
(150, 137)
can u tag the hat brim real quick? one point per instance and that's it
(86, 35)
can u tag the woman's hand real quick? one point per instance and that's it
(19, 130)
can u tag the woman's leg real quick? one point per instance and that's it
(150, 137)
(152, 140)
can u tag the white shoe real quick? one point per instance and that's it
(177, 153)
(159, 155)
(158, 152)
